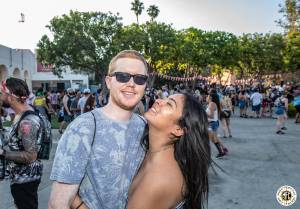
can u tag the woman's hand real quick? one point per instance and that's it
(78, 203)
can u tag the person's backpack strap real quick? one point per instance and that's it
(89, 156)
(142, 118)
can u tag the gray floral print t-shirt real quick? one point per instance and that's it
(106, 174)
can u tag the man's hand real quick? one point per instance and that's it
(1, 151)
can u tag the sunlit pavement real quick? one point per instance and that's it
(259, 162)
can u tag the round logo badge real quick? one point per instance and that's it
(286, 195)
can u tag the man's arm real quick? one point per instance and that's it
(28, 132)
(62, 195)
(65, 103)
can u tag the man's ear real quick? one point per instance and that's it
(178, 131)
(108, 81)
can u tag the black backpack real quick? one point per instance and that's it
(44, 140)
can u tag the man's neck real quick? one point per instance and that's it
(116, 113)
(20, 108)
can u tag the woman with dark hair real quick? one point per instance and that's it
(177, 156)
(89, 104)
(213, 112)
(174, 172)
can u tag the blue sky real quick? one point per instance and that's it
(236, 16)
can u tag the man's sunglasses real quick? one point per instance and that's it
(123, 77)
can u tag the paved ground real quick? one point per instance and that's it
(259, 162)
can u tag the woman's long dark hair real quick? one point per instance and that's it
(192, 152)
(214, 97)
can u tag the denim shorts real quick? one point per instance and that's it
(213, 125)
(256, 107)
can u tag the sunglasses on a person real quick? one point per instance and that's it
(123, 77)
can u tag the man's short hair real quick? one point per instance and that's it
(126, 54)
(17, 87)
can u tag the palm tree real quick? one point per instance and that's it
(153, 12)
(137, 7)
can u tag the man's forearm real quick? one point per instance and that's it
(21, 156)
(62, 195)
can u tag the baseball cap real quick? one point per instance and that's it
(70, 90)
(86, 91)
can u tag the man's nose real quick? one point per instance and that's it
(131, 82)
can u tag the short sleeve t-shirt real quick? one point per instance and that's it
(115, 158)
(256, 99)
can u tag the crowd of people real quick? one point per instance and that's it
(115, 141)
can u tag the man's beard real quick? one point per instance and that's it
(5, 104)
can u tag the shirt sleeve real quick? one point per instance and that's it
(73, 151)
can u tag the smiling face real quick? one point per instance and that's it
(164, 114)
(126, 95)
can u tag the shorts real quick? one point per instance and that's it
(242, 104)
(256, 107)
(26, 195)
(225, 114)
(213, 126)
(297, 108)
(280, 111)
(68, 118)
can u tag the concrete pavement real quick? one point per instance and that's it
(259, 162)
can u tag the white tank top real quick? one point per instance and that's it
(215, 118)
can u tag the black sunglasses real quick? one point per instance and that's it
(123, 77)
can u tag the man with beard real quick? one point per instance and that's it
(25, 170)
(99, 153)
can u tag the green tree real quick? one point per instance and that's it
(190, 55)
(82, 41)
(153, 12)
(292, 53)
(221, 49)
(137, 7)
(291, 15)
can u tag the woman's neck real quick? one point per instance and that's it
(158, 141)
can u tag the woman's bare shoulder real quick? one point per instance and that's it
(160, 188)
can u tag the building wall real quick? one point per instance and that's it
(18, 63)
(21, 63)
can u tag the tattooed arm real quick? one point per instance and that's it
(28, 131)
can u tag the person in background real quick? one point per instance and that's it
(256, 99)
(213, 113)
(24, 168)
(75, 109)
(90, 103)
(226, 111)
(296, 102)
(40, 102)
(82, 100)
(281, 106)
(54, 101)
(68, 116)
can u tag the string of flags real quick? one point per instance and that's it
(175, 78)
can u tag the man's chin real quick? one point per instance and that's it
(128, 106)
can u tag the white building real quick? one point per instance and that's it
(21, 63)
